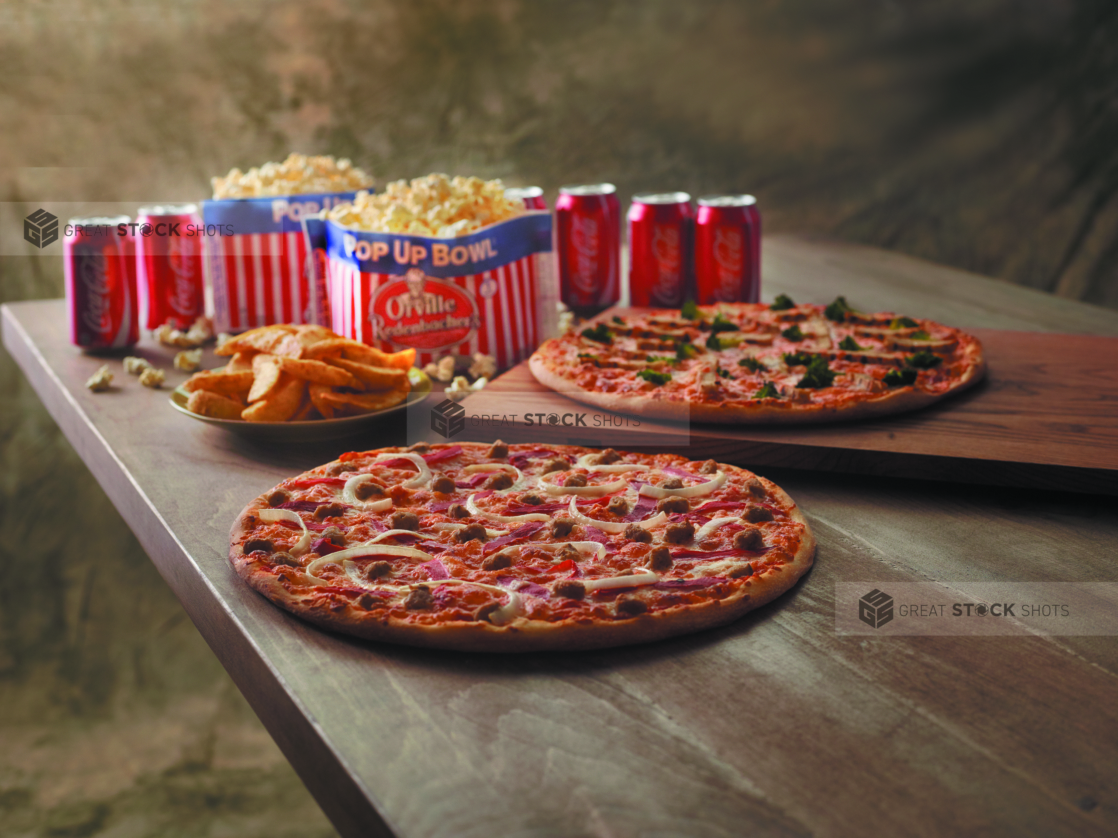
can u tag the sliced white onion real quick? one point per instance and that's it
(420, 463)
(697, 491)
(585, 491)
(713, 524)
(389, 534)
(581, 546)
(349, 495)
(371, 549)
(617, 468)
(504, 519)
(646, 577)
(354, 575)
(505, 614)
(615, 526)
(273, 515)
(584, 460)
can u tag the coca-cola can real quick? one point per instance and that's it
(169, 253)
(660, 231)
(588, 241)
(99, 262)
(727, 250)
(532, 196)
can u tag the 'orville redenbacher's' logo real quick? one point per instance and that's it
(40, 228)
(422, 312)
(875, 609)
(448, 418)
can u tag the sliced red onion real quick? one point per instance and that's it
(324, 547)
(472, 506)
(307, 482)
(432, 546)
(715, 505)
(440, 505)
(699, 555)
(678, 472)
(595, 534)
(443, 454)
(301, 505)
(555, 507)
(471, 482)
(519, 534)
(521, 458)
(686, 584)
(436, 570)
(640, 510)
(522, 586)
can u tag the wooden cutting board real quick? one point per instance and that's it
(1045, 417)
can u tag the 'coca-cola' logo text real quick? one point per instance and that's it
(586, 244)
(728, 262)
(667, 252)
(94, 277)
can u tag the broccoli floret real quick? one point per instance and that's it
(923, 360)
(849, 344)
(793, 333)
(797, 359)
(751, 364)
(900, 378)
(690, 310)
(767, 391)
(818, 375)
(837, 310)
(654, 377)
(903, 323)
(782, 303)
(599, 333)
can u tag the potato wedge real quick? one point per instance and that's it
(207, 403)
(280, 404)
(240, 362)
(374, 357)
(230, 384)
(275, 340)
(306, 411)
(376, 378)
(267, 370)
(351, 404)
(325, 348)
(318, 393)
(319, 372)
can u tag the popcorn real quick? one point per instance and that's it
(461, 387)
(152, 377)
(444, 369)
(100, 380)
(484, 366)
(430, 206)
(201, 332)
(135, 366)
(298, 174)
(566, 319)
(188, 360)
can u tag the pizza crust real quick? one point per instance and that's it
(523, 634)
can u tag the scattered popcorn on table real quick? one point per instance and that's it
(188, 360)
(100, 380)
(566, 318)
(152, 377)
(201, 331)
(430, 206)
(444, 369)
(484, 366)
(298, 174)
(135, 366)
(461, 387)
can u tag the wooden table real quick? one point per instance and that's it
(772, 726)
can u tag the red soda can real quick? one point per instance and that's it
(532, 196)
(99, 261)
(727, 250)
(170, 265)
(660, 231)
(588, 241)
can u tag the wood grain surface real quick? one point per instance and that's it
(1047, 413)
(772, 726)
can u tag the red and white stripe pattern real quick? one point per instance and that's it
(507, 298)
(259, 279)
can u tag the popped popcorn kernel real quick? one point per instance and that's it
(100, 380)
(188, 360)
(152, 377)
(135, 366)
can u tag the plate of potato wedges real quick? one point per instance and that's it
(301, 382)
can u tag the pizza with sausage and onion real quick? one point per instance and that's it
(519, 548)
(753, 362)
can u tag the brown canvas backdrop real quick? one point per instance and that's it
(979, 134)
